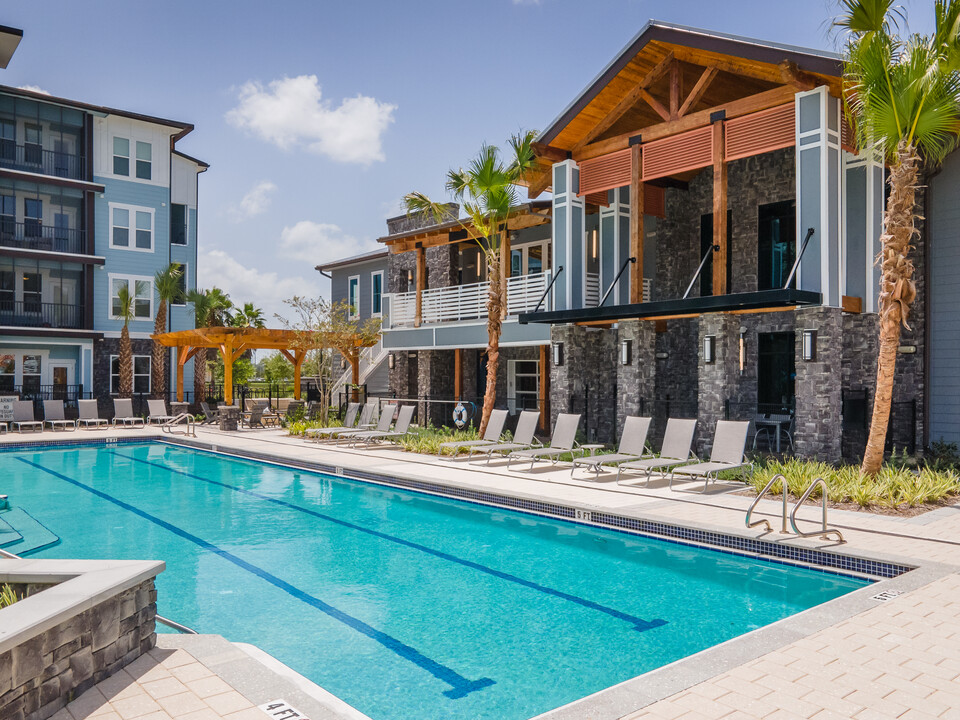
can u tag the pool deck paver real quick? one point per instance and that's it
(896, 659)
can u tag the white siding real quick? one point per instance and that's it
(158, 136)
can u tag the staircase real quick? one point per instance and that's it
(370, 359)
(22, 534)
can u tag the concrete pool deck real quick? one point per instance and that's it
(864, 659)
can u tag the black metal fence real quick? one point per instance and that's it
(31, 157)
(30, 313)
(901, 428)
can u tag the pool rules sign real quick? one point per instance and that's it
(6, 407)
(282, 710)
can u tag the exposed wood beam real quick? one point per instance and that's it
(548, 152)
(719, 212)
(539, 183)
(744, 68)
(658, 71)
(636, 225)
(675, 81)
(698, 90)
(735, 108)
(655, 104)
(793, 75)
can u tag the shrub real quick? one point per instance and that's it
(8, 596)
(428, 440)
(299, 427)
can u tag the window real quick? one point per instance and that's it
(8, 140)
(141, 291)
(8, 370)
(129, 222)
(144, 160)
(181, 299)
(178, 224)
(121, 156)
(32, 146)
(32, 292)
(8, 215)
(31, 366)
(120, 234)
(376, 282)
(8, 289)
(141, 374)
(32, 217)
(523, 385)
(353, 297)
(776, 244)
(144, 230)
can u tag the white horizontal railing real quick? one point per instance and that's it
(647, 289)
(591, 295)
(369, 359)
(466, 302)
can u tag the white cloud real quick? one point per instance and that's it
(264, 289)
(33, 88)
(291, 112)
(254, 202)
(317, 243)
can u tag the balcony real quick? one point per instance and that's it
(32, 235)
(28, 313)
(34, 159)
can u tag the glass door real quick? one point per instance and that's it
(523, 385)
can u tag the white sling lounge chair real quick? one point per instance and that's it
(727, 453)
(23, 417)
(89, 415)
(54, 417)
(364, 423)
(400, 429)
(490, 437)
(677, 444)
(158, 412)
(522, 438)
(563, 441)
(123, 414)
(383, 424)
(349, 420)
(633, 442)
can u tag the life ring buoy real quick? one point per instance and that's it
(460, 415)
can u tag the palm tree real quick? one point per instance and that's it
(248, 316)
(487, 190)
(123, 309)
(902, 97)
(167, 285)
(211, 308)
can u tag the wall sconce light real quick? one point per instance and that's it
(391, 361)
(743, 348)
(343, 363)
(409, 280)
(558, 354)
(626, 352)
(808, 349)
(709, 349)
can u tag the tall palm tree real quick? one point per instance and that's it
(211, 308)
(486, 190)
(124, 311)
(167, 285)
(248, 316)
(902, 96)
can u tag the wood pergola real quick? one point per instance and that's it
(233, 342)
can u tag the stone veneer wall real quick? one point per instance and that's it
(585, 382)
(819, 386)
(102, 350)
(716, 379)
(43, 674)
(636, 382)
(435, 369)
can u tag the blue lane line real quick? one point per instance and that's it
(639, 623)
(459, 685)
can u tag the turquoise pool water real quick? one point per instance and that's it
(404, 605)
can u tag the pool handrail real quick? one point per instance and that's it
(182, 418)
(753, 505)
(824, 531)
(182, 629)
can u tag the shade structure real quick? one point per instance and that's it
(232, 342)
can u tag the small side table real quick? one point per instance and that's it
(592, 448)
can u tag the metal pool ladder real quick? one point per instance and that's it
(183, 419)
(824, 532)
(753, 505)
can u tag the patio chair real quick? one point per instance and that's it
(210, 416)
(633, 446)
(400, 428)
(563, 441)
(491, 435)
(772, 427)
(293, 408)
(123, 413)
(365, 423)
(254, 418)
(523, 437)
(90, 415)
(727, 453)
(675, 450)
(54, 417)
(158, 412)
(383, 425)
(23, 417)
(349, 420)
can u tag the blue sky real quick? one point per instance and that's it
(317, 117)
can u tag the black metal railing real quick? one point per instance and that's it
(31, 157)
(29, 313)
(34, 235)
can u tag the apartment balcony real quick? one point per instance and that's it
(28, 313)
(32, 235)
(34, 159)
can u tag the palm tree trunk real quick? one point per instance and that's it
(158, 367)
(200, 375)
(126, 364)
(494, 326)
(897, 291)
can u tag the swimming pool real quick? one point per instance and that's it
(402, 604)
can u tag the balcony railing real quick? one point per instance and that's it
(33, 235)
(27, 313)
(33, 158)
(466, 302)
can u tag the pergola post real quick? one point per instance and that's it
(227, 352)
(296, 359)
(421, 284)
(636, 225)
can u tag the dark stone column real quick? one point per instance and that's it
(636, 382)
(717, 381)
(586, 382)
(435, 370)
(819, 384)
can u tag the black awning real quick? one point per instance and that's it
(761, 300)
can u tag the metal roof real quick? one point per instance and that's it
(354, 260)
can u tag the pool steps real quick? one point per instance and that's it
(32, 535)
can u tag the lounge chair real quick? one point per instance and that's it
(123, 413)
(727, 453)
(54, 417)
(676, 449)
(633, 446)
(254, 418)
(90, 415)
(490, 437)
(383, 425)
(523, 437)
(563, 441)
(23, 417)
(158, 412)
(349, 420)
(400, 429)
(364, 423)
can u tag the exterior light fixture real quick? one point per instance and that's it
(343, 363)
(808, 350)
(558, 354)
(709, 349)
(743, 348)
(391, 361)
(626, 352)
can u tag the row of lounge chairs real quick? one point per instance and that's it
(365, 431)
(54, 415)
